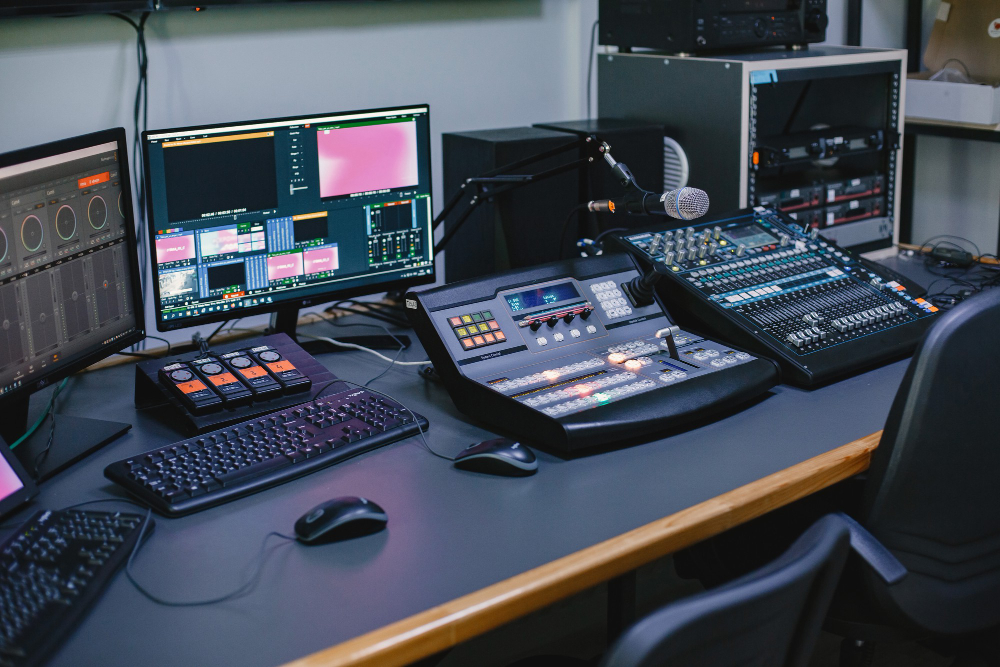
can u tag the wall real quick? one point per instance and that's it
(957, 182)
(479, 64)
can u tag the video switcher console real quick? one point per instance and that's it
(556, 355)
(762, 281)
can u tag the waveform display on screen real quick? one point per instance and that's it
(366, 158)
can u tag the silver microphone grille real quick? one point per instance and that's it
(686, 203)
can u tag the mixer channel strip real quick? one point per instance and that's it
(776, 287)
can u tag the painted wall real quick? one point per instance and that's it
(479, 64)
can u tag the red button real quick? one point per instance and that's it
(494, 325)
(479, 341)
(467, 342)
(455, 321)
(489, 338)
(500, 337)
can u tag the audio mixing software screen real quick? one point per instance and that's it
(64, 286)
(253, 214)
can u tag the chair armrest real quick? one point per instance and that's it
(873, 552)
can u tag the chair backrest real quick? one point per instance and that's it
(770, 617)
(933, 491)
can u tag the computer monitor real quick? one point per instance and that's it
(270, 216)
(69, 279)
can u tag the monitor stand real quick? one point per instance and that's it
(74, 438)
(285, 320)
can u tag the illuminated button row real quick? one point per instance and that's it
(583, 389)
(548, 376)
(599, 397)
(634, 348)
(477, 330)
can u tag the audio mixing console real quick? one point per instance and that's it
(557, 355)
(761, 280)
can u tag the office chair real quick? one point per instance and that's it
(932, 494)
(771, 616)
(930, 502)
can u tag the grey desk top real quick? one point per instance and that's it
(450, 532)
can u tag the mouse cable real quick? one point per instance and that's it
(240, 591)
(416, 421)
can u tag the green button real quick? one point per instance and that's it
(487, 315)
(476, 317)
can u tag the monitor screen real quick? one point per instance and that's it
(254, 216)
(69, 292)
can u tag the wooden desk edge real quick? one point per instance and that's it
(451, 623)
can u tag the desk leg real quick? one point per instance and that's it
(621, 604)
(907, 195)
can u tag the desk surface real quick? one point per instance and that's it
(450, 533)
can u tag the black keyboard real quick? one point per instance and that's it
(229, 463)
(51, 570)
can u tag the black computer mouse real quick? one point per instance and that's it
(340, 518)
(501, 456)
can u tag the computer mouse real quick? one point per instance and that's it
(500, 456)
(340, 518)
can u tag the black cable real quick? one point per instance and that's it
(140, 110)
(384, 328)
(416, 421)
(44, 454)
(169, 348)
(597, 239)
(565, 226)
(216, 332)
(590, 63)
(241, 590)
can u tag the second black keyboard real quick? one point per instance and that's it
(222, 465)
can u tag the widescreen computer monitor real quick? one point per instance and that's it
(273, 215)
(69, 280)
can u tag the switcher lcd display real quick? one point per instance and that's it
(542, 296)
(751, 236)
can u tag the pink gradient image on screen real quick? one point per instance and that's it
(284, 266)
(366, 158)
(219, 242)
(175, 248)
(9, 483)
(321, 259)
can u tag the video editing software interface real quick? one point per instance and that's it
(254, 214)
(65, 282)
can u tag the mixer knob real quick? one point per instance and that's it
(741, 250)
(785, 240)
(669, 258)
(535, 325)
(689, 232)
(668, 235)
(702, 250)
(654, 245)
(568, 317)
(668, 247)
(692, 253)
(586, 313)
(705, 235)
(712, 247)
(551, 322)
(814, 233)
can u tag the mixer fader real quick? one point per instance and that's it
(560, 356)
(762, 281)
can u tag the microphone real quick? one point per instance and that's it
(683, 204)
